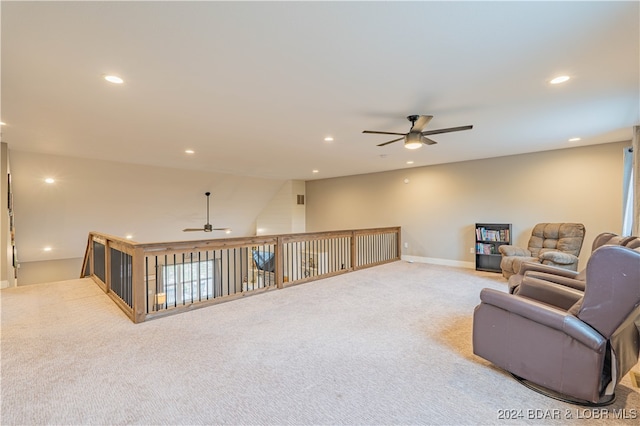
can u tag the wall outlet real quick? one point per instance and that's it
(406, 245)
(471, 250)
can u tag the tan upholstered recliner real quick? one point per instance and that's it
(581, 352)
(555, 244)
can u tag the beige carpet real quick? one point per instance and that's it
(385, 345)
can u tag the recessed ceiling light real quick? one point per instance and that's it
(316, 171)
(574, 139)
(328, 139)
(409, 162)
(560, 79)
(50, 180)
(228, 231)
(128, 236)
(189, 151)
(113, 79)
(47, 249)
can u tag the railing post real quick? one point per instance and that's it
(87, 257)
(107, 265)
(138, 286)
(92, 259)
(399, 239)
(279, 254)
(353, 250)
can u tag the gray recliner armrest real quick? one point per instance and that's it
(509, 250)
(539, 267)
(573, 283)
(557, 295)
(543, 314)
(558, 257)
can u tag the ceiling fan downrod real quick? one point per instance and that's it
(413, 119)
(208, 227)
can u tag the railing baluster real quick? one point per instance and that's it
(215, 280)
(207, 275)
(159, 284)
(174, 266)
(326, 257)
(235, 272)
(228, 276)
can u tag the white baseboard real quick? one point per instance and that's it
(4, 284)
(436, 261)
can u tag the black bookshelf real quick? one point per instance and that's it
(490, 236)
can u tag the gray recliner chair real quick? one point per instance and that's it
(581, 352)
(564, 276)
(555, 244)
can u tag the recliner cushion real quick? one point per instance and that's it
(571, 238)
(566, 237)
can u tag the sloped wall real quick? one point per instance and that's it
(283, 215)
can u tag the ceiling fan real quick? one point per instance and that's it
(416, 136)
(207, 227)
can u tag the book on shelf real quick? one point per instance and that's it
(482, 248)
(485, 234)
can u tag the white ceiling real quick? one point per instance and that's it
(253, 88)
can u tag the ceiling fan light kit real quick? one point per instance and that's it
(415, 137)
(413, 141)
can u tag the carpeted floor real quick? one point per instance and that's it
(385, 345)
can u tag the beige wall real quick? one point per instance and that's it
(49, 271)
(7, 271)
(440, 204)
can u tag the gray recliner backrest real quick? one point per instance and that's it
(611, 303)
(613, 288)
(607, 238)
(632, 242)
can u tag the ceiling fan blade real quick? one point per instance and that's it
(383, 133)
(421, 123)
(192, 229)
(387, 143)
(222, 229)
(450, 129)
(428, 141)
